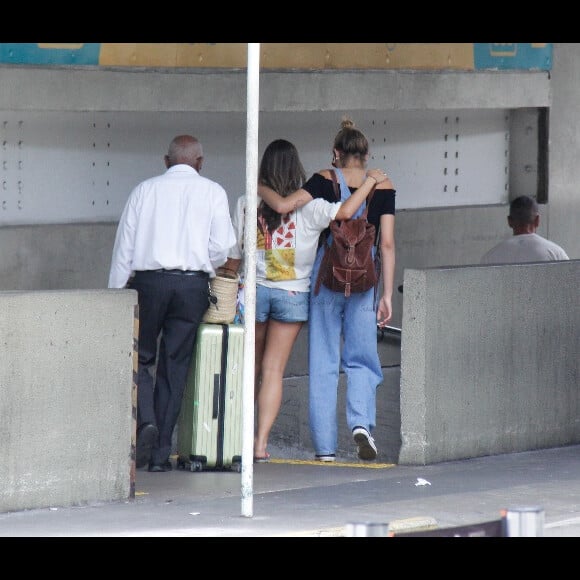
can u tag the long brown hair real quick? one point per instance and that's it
(282, 170)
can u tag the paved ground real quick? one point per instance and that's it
(293, 497)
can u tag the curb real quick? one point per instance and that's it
(416, 524)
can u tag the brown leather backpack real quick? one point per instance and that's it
(348, 264)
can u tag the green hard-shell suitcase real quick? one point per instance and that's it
(209, 429)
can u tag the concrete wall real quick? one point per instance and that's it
(489, 360)
(68, 398)
(99, 89)
(564, 175)
(56, 257)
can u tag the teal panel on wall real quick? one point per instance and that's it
(50, 53)
(515, 55)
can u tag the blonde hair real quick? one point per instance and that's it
(350, 141)
(347, 123)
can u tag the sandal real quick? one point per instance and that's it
(264, 459)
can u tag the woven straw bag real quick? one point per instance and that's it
(225, 289)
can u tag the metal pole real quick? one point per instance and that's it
(524, 522)
(250, 230)
(366, 530)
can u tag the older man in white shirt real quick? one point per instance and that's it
(525, 245)
(174, 232)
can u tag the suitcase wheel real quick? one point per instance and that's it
(195, 466)
(187, 464)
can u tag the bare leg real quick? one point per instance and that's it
(261, 331)
(279, 340)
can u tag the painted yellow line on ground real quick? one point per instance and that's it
(332, 463)
(369, 465)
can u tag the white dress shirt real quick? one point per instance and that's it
(177, 220)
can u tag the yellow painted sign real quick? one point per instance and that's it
(284, 56)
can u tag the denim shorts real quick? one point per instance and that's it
(281, 305)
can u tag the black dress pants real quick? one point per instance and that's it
(171, 306)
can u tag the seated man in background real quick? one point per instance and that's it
(525, 245)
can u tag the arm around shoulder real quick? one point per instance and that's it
(281, 204)
(386, 184)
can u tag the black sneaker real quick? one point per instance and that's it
(160, 467)
(146, 438)
(367, 449)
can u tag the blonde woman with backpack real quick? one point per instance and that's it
(343, 330)
(286, 246)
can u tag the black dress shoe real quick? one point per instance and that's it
(146, 437)
(160, 467)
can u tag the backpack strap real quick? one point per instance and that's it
(345, 193)
(326, 239)
(344, 189)
(335, 184)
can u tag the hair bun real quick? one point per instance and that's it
(347, 122)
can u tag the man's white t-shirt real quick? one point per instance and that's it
(284, 259)
(524, 248)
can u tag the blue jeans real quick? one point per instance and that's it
(281, 305)
(334, 317)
